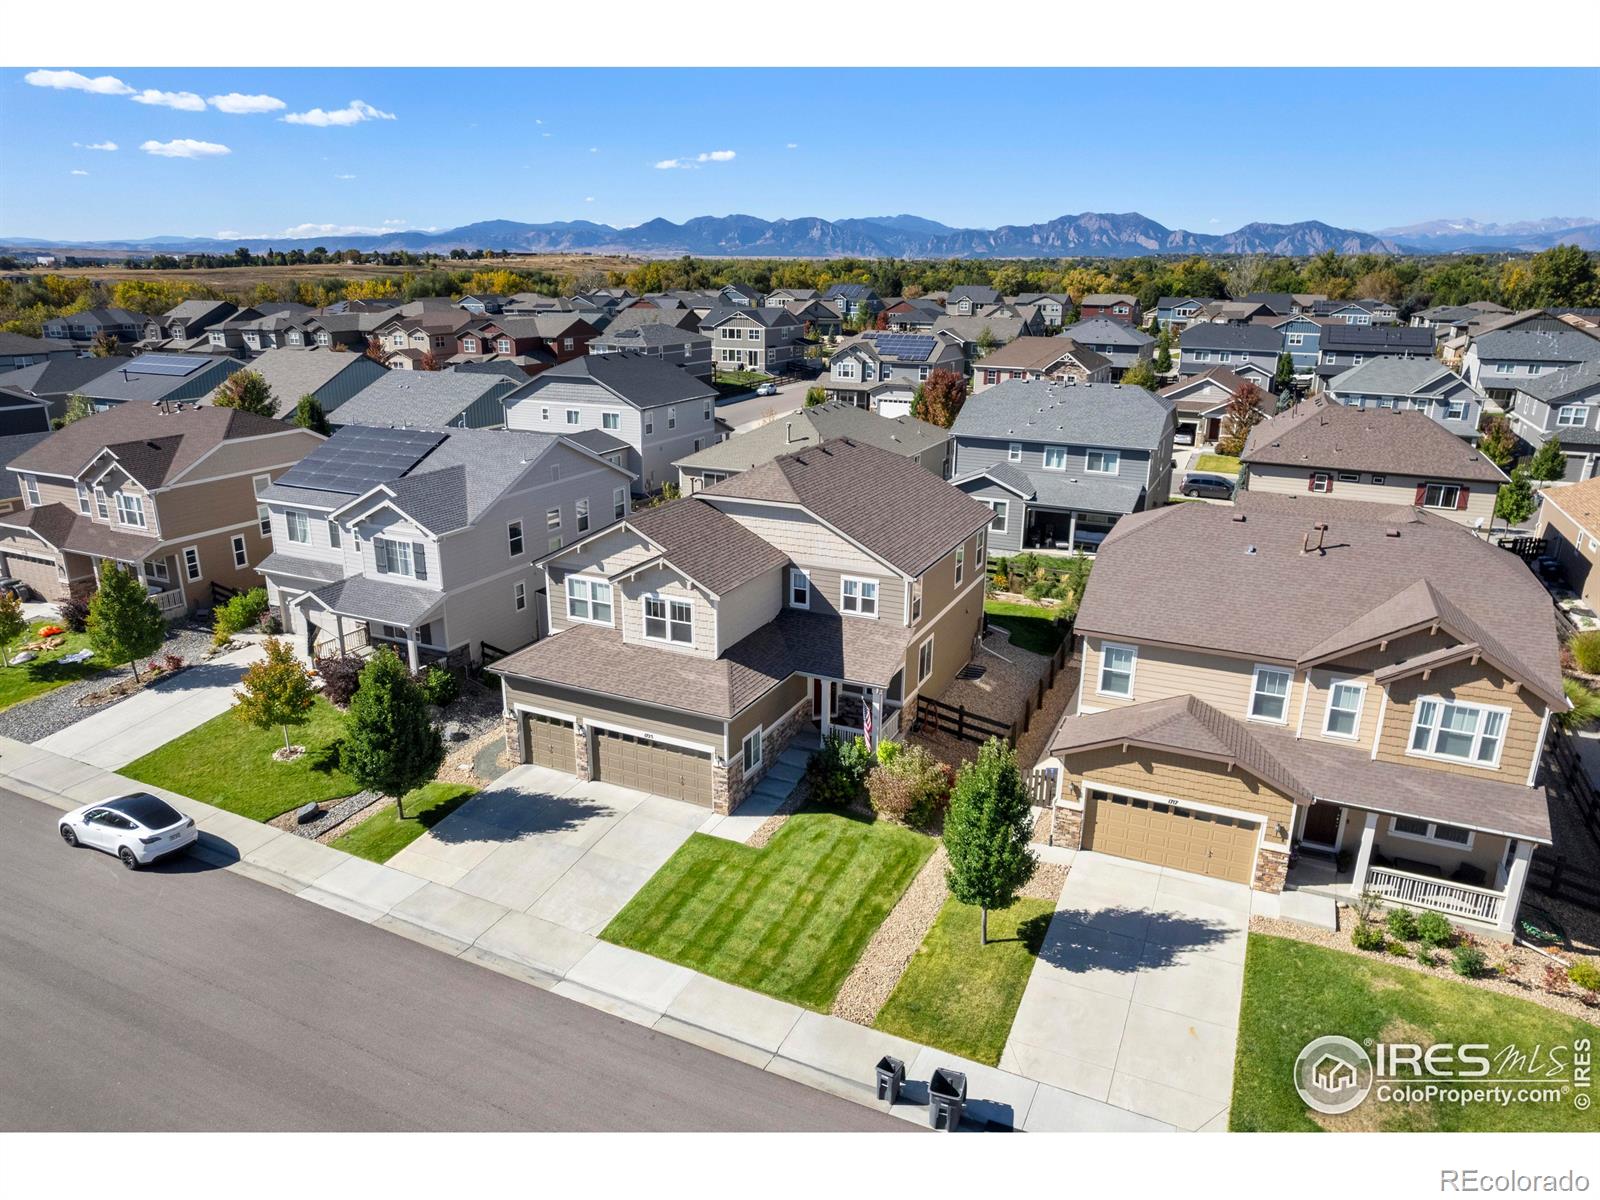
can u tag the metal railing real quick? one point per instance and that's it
(1423, 891)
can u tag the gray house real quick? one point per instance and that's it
(425, 539)
(747, 338)
(881, 371)
(1121, 344)
(428, 400)
(1565, 405)
(661, 411)
(1412, 385)
(1060, 464)
(1344, 346)
(16, 351)
(688, 348)
(153, 378)
(331, 376)
(1249, 351)
(54, 381)
(1500, 361)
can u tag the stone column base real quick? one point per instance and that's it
(1066, 827)
(580, 751)
(1272, 868)
(515, 751)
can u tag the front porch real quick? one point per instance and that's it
(840, 708)
(353, 615)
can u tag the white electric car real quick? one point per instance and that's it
(138, 828)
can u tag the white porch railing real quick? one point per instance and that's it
(1421, 891)
(171, 603)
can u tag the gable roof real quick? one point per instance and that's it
(1538, 345)
(1580, 501)
(153, 376)
(1376, 339)
(160, 445)
(710, 547)
(1258, 339)
(56, 376)
(1326, 434)
(1554, 387)
(294, 373)
(17, 343)
(642, 380)
(810, 426)
(1097, 414)
(1389, 376)
(1101, 299)
(419, 399)
(1040, 353)
(761, 315)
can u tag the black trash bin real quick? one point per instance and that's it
(947, 1099)
(891, 1078)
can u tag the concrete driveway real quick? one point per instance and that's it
(542, 843)
(1135, 998)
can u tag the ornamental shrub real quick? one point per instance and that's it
(1468, 961)
(1585, 648)
(341, 675)
(1586, 975)
(439, 686)
(242, 612)
(836, 773)
(1434, 930)
(1366, 936)
(911, 788)
(1403, 924)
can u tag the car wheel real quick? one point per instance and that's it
(1190, 492)
(129, 858)
(68, 836)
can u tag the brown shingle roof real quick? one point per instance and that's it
(1580, 501)
(712, 549)
(1327, 434)
(1038, 353)
(192, 432)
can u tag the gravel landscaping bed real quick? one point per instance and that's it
(57, 710)
(1046, 883)
(1010, 677)
(328, 824)
(870, 982)
(1034, 744)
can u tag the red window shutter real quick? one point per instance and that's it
(1311, 482)
(1422, 494)
(1461, 498)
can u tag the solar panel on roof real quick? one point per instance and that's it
(361, 457)
(905, 345)
(176, 365)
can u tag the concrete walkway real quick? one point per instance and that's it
(812, 1048)
(1134, 1000)
(119, 733)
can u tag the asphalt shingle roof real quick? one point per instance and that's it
(1095, 414)
(1326, 434)
(294, 373)
(642, 380)
(418, 399)
(1259, 339)
(192, 432)
(809, 426)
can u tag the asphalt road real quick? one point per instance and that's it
(754, 411)
(188, 998)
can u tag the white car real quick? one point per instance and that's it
(767, 389)
(138, 828)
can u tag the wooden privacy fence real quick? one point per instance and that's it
(935, 716)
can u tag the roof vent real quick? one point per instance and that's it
(1391, 533)
(1249, 549)
(1238, 518)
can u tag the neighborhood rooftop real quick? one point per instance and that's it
(1322, 433)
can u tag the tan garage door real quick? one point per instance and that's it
(550, 742)
(1170, 836)
(38, 573)
(649, 766)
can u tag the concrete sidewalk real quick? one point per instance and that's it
(131, 728)
(812, 1048)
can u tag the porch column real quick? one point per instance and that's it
(1072, 531)
(827, 707)
(1516, 879)
(877, 714)
(1369, 836)
(411, 647)
(338, 625)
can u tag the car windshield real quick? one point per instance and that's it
(150, 811)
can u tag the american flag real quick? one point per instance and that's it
(867, 723)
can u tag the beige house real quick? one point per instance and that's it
(1322, 448)
(172, 492)
(1056, 358)
(818, 591)
(1362, 706)
(1569, 521)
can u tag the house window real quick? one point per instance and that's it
(1116, 670)
(1469, 733)
(503, 345)
(514, 539)
(1431, 831)
(619, 503)
(752, 750)
(544, 414)
(1456, 410)
(925, 661)
(799, 588)
(668, 620)
(588, 600)
(573, 416)
(241, 557)
(1343, 719)
(672, 418)
(1378, 480)
(394, 558)
(1441, 495)
(554, 544)
(611, 420)
(263, 517)
(1055, 458)
(858, 597)
(649, 424)
(961, 562)
(469, 345)
(1014, 452)
(1294, 339)
(519, 596)
(1321, 481)
(552, 518)
(83, 499)
(156, 569)
(705, 411)
(335, 538)
(582, 514)
(1000, 508)
(566, 343)
(1102, 462)
(324, 338)
(1269, 695)
(299, 527)
(1568, 416)
(191, 562)
(1349, 477)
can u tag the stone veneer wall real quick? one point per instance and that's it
(729, 786)
(1272, 868)
(1066, 828)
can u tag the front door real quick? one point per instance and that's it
(1321, 828)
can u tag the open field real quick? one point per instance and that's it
(244, 278)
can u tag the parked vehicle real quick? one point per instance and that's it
(138, 828)
(767, 389)
(15, 587)
(1214, 487)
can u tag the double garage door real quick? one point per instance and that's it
(1169, 835)
(649, 766)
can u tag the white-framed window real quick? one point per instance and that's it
(299, 528)
(925, 661)
(30, 485)
(156, 568)
(649, 423)
(961, 563)
(668, 619)
(751, 749)
(611, 420)
(619, 503)
(130, 508)
(1456, 410)
(706, 410)
(241, 556)
(858, 597)
(191, 562)
(263, 517)
(1294, 339)
(83, 498)
(1571, 415)
(1378, 479)
(1014, 452)
(1441, 495)
(324, 338)
(397, 558)
(519, 595)
(1116, 670)
(1468, 733)
(1321, 481)
(1001, 509)
(514, 539)
(566, 343)
(1269, 695)
(552, 517)
(573, 416)
(503, 345)
(544, 414)
(588, 600)
(582, 514)
(469, 345)
(672, 418)
(799, 588)
(1055, 458)
(1102, 462)
(1418, 830)
(1343, 718)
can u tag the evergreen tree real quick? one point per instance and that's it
(1164, 351)
(248, 391)
(12, 623)
(390, 746)
(124, 623)
(1548, 463)
(1283, 377)
(987, 831)
(276, 691)
(308, 414)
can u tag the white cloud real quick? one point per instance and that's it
(315, 229)
(104, 85)
(80, 172)
(344, 176)
(185, 148)
(546, 135)
(237, 102)
(94, 145)
(692, 164)
(791, 145)
(538, 120)
(185, 101)
(353, 114)
(594, 149)
(716, 156)
(588, 199)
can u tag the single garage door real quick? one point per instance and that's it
(650, 766)
(38, 573)
(1168, 835)
(550, 742)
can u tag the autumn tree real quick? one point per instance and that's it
(78, 407)
(275, 690)
(940, 397)
(105, 345)
(248, 391)
(428, 362)
(12, 623)
(375, 350)
(1496, 441)
(1242, 415)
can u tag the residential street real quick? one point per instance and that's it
(189, 998)
(755, 411)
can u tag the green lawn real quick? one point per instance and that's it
(1222, 464)
(381, 837)
(229, 764)
(789, 919)
(1294, 992)
(43, 674)
(959, 996)
(1031, 626)
(740, 380)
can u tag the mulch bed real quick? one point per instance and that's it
(868, 986)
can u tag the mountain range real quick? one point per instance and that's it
(1115, 235)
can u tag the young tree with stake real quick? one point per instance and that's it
(275, 691)
(987, 831)
(124, 623)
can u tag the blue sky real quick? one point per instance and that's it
(1206, 150)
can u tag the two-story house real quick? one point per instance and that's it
(17, 351)
(188, 320)
(916, 315)
(1111, 306)
(662, 411)
(425, 539)
(1055, 358)
(1344, 346)
(1054, 307)
(1357, 312)
(694, 641)
(1121, 344)
(330, 377)
(1302, 340)
(1380, 455)
(534, 342)
(881, 371)
(1060, 464)
(1412, 385)
(1367, 694)
(82, 328)
(169, 491)
(783, 297)
(1497, 363)
(1200, 404)
(748, 338)
(1569, 523)
(965, 299)
(411, 342)
(1178, 312)
(1564, 405)
(54, 381)
(688, 348)
(852, 299)
(817, 317)
(327, 330)
(1249, 351)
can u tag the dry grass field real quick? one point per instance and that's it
(244, 278)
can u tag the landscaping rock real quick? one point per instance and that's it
(333, 816)
(867, 987)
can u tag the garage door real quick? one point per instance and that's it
(1170, 836)
(650, 766)
(38, 573)
(550, 742)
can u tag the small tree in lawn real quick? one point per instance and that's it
(390, 746)
(308, 414)
(249, 392)
(124, 623)
(1548, 463)
(12, 623)
(986, 833)
(1164, 351)
(275, 691)
(1515, 503)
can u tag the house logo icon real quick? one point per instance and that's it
(1333, 1075)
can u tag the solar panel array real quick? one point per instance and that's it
(360, 457)
(176, 365)
(905, 345)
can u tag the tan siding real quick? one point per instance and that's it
(256, 455)
(953, 637)
(660, 582)
(1479, 684)
(767, 711)
(750, 606)
(1163, 671)
(614, 713)
(826, 585)
(1395, 490)
(1163, 774)
(1359, 668)
(1568, 543)
(802, 538)
(938, 581)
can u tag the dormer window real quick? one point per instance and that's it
(669, 620)
(469, 345)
